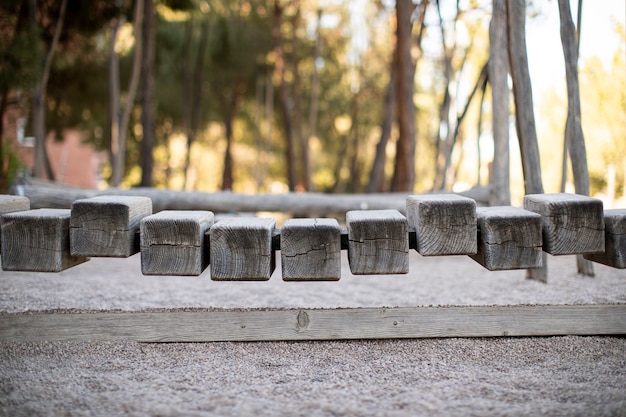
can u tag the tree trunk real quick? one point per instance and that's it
(524, 116)
(313, 109)
(404, 173)
(230, 105)
(444, 143)
(147, 94)
(355, 168)
(284, 99)
(196, 95)
(120, 115)
(41, 162)
(114, 104)
(377, 174)
(500, 190)
(573, 128)
(186, 91)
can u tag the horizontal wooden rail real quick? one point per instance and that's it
(315, 324)
(185, 242)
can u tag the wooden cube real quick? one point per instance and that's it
(107, 225)
(508, 238)
(37, 240)
(11, 204)
(311, 250)
(572, 224)
(444, 224)
(241, 249)
(173, 242)
(614, 240)
(378, 242)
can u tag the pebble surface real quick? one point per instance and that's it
(551, 376)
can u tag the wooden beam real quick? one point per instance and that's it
(241, 249)
(44, 194)
(313, 324)
(107, 225)
(377, 242)
(311, 250)
(445, 224)
(173, 242)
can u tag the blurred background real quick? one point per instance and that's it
(272, 96)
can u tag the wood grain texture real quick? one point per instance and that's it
(572, 224)
(614, 240)
(311, 250)
(37, 240)
(444, 224)
(241, 249)
(107, 225)
(173, 242)
(11, 204)
(508, 238)
(378, 242)
(323, 324)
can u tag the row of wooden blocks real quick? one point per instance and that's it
(378, 241)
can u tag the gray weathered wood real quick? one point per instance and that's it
(508, 238)
(311, 250)
(10, 204)
(378, 242)
(37, 240)
(572, 224)
(173, 242)
(614, 240)
(444, 224)
(311, 324)
(107, 225)
(241, 249)
(50, 195)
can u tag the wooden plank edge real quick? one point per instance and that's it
(317, 324)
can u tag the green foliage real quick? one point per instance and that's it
(9, 167)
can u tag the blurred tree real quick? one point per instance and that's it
(500, 191)
(41, 162)
(148, 103)
(524, 116)
(120, 114)
(404, 173)
(574, 139)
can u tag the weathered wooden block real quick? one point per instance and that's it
(241, 249)
(378, 242)
(444, 224)
(508, 238)
(11, 204)
(311, 250)
(572, 224)
(37, 240)
(614, 240)
(107, 225)
(173, 242)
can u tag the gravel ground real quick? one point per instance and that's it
(554, 376)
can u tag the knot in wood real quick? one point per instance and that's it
(302, 321)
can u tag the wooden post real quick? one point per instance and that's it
(572, 224)
(11, 204)
(107, 225)
(37, 240)
(241, 249)
(173, 242)
(614, 240)
(378, 242)
(508, 238)
(444, 224)
(311, 250)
